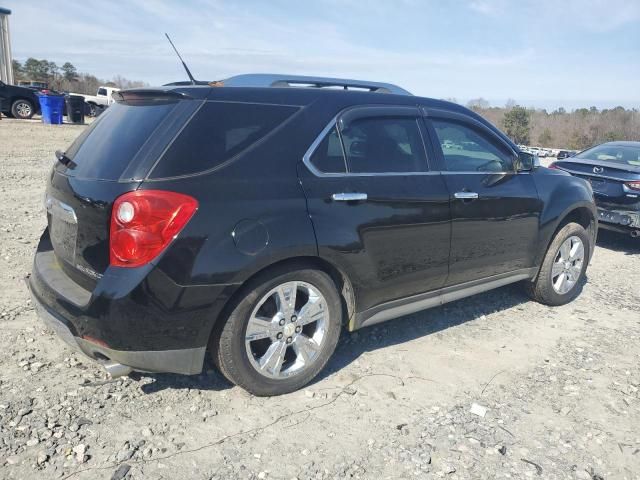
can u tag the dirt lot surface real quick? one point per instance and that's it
(494, 386)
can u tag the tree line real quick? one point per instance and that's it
(576, 130)
(66, 78)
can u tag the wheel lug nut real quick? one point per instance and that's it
(298, 329)
(289, 339)
(294, 318)
(281, 321)
(279, 336)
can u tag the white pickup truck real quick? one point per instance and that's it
(101, 100)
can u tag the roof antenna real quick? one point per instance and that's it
(193, 80)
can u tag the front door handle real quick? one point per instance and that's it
(466, 195)
(349, 197)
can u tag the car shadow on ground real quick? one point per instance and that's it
(353, 345)
(618, 242)
(420, 324)
(209, 379)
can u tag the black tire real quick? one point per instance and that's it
(542, 289)
(93, 109)
(22, 109)
(228, 349)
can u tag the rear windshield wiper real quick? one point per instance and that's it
(62, 157)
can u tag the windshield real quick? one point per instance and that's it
(622, 154)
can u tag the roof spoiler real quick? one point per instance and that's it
(148, 96)
(277, 80)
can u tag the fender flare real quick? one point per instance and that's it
(579, 208)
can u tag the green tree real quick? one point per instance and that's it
(69, 72)
(35, 69)
(517, 124)
(18, 72)
(545, 137)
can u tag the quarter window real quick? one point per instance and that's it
(217, 133)
(466, 150)
(328, 156)
(384, 145)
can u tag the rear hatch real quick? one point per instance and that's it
(606, 180)
(109, 158)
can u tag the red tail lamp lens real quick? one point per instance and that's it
(144, 222)
(633, 185)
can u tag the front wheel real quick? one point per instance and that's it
(281, 333)
(563, 268)
(22, 109)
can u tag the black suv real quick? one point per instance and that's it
(19, 102)
(254, 217)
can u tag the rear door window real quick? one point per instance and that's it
(218, 132)
(328, 156)
(384, 145)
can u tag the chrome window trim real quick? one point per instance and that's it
(306, 158)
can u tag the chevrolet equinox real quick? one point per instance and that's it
(252, 218)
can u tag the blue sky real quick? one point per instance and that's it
(544, 53)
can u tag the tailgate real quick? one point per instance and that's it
(110, 158)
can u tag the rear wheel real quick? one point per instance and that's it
(281, 333)
(563, 268)
(22, 109)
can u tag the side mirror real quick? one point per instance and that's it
(527, 162)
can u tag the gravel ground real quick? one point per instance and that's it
(494, 386)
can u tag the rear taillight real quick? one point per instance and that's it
(554, 166)
(144, 222)
(633, 186)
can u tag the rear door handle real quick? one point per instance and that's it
(466, 195)
(349, 197)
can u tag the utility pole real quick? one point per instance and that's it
(6, 60)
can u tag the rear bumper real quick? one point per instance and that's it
(619, 220)
(186, 361)
(136, 318)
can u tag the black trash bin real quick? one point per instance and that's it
(75, 109)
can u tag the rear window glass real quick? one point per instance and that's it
(217, 133)
(621, 154)
(105, 149)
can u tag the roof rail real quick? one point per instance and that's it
(278, 80)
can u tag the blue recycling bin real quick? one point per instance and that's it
(51, 107)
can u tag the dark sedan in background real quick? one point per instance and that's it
(613, 169)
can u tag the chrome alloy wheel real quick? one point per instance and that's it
(286, 330)
(567, 265)
(23, 109)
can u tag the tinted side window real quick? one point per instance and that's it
(384, 145)
(467, 150)
(102, 91)
(328, 156)
(218, 132)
